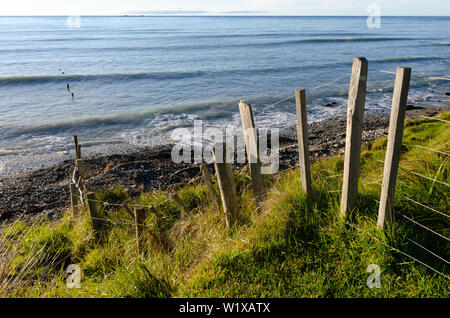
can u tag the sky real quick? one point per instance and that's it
(258, 7)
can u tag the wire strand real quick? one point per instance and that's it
(399, 251)
(423, 205)
(432, 253)
(434, 118)
(438, 151)
(423, 226)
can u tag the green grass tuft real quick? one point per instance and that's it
(295, 247)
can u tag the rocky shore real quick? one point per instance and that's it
(47, 189)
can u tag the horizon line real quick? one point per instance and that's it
(207, 15)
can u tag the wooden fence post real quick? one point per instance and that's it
(79, 151)
(79, 174)
(251, 144)
(303, 143)
(92, 204)
(74, 194)
(179, 202)
(75, 141)
(355, 117)
(139, 219)
(209, 184)
(399, 101)
(226, 184)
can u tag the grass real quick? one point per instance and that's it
(295, 247)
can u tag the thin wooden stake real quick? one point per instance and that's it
(251, 144)
(209, 185)
(396, 124)
(355, 117)
(74, 194)
(139, 219)
(303, 143)
(128, 210)
(78, 151)
(226, 184)
(179, 202)
(79, 174)
(95, 219)
(75, 141)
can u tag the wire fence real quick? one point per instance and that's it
(398, 250)
(284, 99)
(78, 181)
(410, 219)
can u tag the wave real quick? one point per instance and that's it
(408, 59)
(135, 119)
(151, 34)
(349, 39)
(93, 77)
(114, 77)
(210, 46)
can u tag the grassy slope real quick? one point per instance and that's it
(296, 247)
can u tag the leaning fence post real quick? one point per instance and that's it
(355, 117)
(78, 151)
(251, 144)
(92, 204)
(179, 202)
(139, 219)
(79, 174)
(226, 184)
(209, 184)
(303, 143)
(399, 101)
(74, 194)
(77, 148)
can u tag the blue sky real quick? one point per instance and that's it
(277, 7)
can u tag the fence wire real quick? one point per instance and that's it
(310, 89)
(399, 251)
(424, 227)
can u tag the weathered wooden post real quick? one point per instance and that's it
(251, 145)
(78, 151)
(75, 196)
(226, 184)
(179, 202)
(355, 117)
(75, 141)
(77, 147)
(95, 219)
(128, 210)
(391, 162)
(303, 143)
(74, 201)
(79, 174)
(209, 184)
(139, 219)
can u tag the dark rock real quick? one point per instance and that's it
(412, 107)
(447, 93)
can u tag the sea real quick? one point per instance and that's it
(135, 79)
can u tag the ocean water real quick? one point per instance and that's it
(135, 79)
